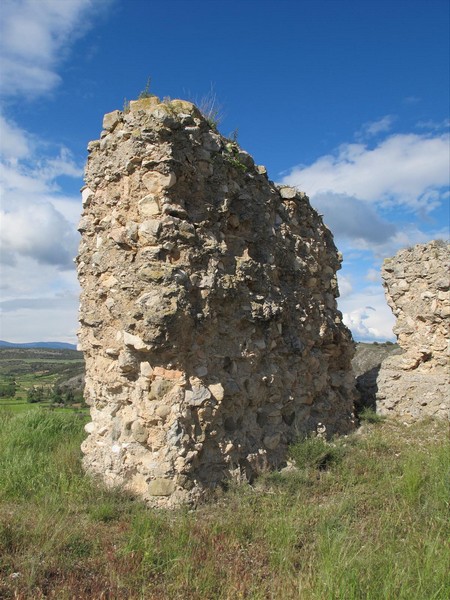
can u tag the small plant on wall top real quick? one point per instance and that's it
(146, 91)
(211, 109)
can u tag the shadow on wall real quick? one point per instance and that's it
(367, 387)
(366, 366)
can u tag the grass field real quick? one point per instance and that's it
(362, 518)
(22, 369)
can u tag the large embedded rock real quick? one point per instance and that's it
(208, 313)
(415, 383)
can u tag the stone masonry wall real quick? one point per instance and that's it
(415, 384)
(208, 314)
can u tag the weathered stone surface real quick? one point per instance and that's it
(110, 120)
(208, 313)
(148, 206)
(415, 383)
(366, 365)
(161, 487)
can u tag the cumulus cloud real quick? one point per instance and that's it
(37, 220)
(372, 275)
(40, 232)
(40, 318)
(35, 36)
(377, 196)
(350, 218)
(367, 315)
(409, 235)
(406, 170)
(433, 125)
(49, 303)
(373, 128)
(38, 303)
(359, 323)
(345, 285)
(15, 141)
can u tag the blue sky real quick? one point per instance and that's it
(346, 99)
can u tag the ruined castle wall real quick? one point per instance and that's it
(415, 384)
(208, 313)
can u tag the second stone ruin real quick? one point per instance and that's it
(415, 384)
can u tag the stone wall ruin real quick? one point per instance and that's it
(415, 384)
(208, 309)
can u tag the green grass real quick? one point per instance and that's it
(363, 517)
(369, 415)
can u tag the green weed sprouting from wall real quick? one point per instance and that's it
(146, 91)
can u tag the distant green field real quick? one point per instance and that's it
(24, 370)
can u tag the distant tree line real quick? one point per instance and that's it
(54, 395)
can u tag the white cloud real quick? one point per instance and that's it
(37, 220)
(401, 177)
(373, 128)
(410, 235)
(373, 275)
(15, 142)
(54, 323)
(40, 319)
(401, 170)
(345, 285)
(26, 280)
(367, 315)
(434, 125)
(38, 303)
(407, 234)
(40, 232)
(34, 38)
(350, 218)
(412, 100)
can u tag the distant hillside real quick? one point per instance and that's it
(53, 345)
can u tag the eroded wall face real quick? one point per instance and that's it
(208, 312)
(415, 384)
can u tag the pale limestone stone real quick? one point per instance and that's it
(157, 183)
(217, 391)
(110, 281)
(146, 369)
(163, 411)
(86, 196)
(139, 432)
(183, 106)
(110, 120)
(134, 341)
(148, 230)
(144, 104)
(90, 427)
(148, 206)
(288, 192)
(161, 487)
